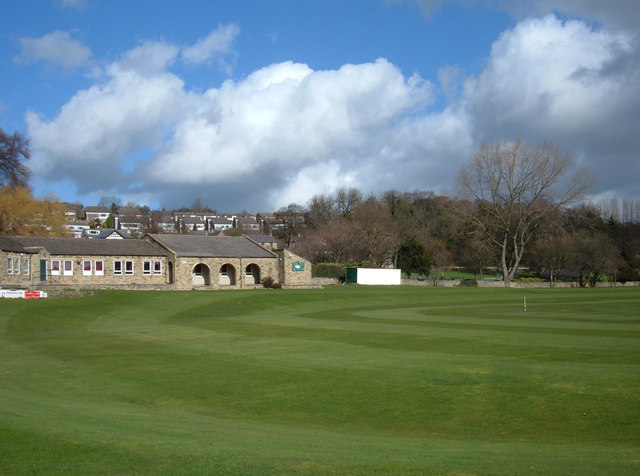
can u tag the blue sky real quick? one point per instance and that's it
(256, 104)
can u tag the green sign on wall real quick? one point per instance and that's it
(297, 266)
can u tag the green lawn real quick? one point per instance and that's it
(345, 380)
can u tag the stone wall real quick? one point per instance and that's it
(15, 268)
(210, 271)
(295, 271)
(108, 277)
(75, 276)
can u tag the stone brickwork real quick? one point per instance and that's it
(188, 273)
(295, 270)
(197, 263)
(15, 268)
(131, 270)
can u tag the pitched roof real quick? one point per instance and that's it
(212, 246)
(72, 246)
(129, 211)
(9, 243)
(110, 231)
(98, 209)
(261, 238)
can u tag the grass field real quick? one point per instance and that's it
(345, 380)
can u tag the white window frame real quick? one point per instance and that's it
(64, 267)
(127, 271)
(85, 271)
(146, 268)
(27, 266)
(99, 272)
(157, 267)
(117, 264)
(55, 272)
(10, 266)
(16, 266)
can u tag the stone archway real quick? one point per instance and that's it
(227, 275)
(252, 274)
(201, 276)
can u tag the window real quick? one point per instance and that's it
(146, 267)
(99, 268)
(55, 267)
(128, 267)
(68, 267)
(16, 266)
(10, 266)
(26, 266)
(86, 267)
(117, 267)
(157, 267)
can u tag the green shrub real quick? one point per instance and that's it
(328, 270)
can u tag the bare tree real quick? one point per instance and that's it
(513, 188)
(593, 257)
(347, 200)
(14, 150)
(293, 217)
(322, 208)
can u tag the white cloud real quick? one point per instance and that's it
(566, 82)
(57, 47)
(99, 127)
(287, 116)
(149, 58)
(287, 132)
(284, 133)
(216, 45)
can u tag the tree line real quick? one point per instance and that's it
(517, 206)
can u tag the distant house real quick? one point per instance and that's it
(220, 223)
(246, 224)
(112, 234)
(77, 229)
(97, 213)
(193, 223)
(269, 221)
(166, 224)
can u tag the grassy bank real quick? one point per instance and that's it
(345, 380)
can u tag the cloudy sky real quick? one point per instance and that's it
(254, 104)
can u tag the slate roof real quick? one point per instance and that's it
(98, 209)
(110, 231)
(9, 243)
(261, 238)
(72, 246)
(211, 246)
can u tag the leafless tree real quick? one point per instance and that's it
(14, 151)
(513, 188)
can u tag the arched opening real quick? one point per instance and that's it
(201, 275)
(227, 275)
(252, 274)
